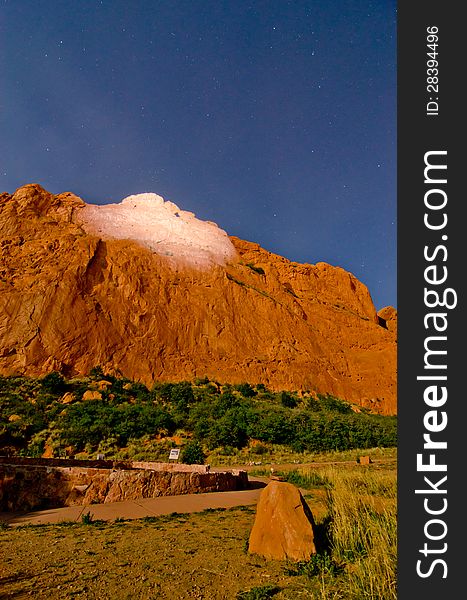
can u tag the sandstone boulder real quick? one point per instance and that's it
(67, 398)
(92, 395)
(284, 525)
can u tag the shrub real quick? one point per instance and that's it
(321, 563)
(230, 429)
(96, 372)
(163, 391)
(192, 454)
(94, 420)
(225, 402)
(330, 403)
(288, 400)
(54, 383)
(271, 426)
(246, 390)
(259, 449)
(215, 418)
(182, 394)
(36, 445)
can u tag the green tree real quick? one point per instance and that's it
(246, 390)
(229, 430)
(54, 383)
(288, 400)
(271, 426)
(192, 453)
(332, 404)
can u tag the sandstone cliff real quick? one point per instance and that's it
(71, 299)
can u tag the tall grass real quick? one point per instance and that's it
(357, 535)
(363, 530)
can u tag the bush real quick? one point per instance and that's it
(288, 400)
(54, 383)
(96, 372)
(192, 454)
(229, 430)
(259, 449)
(36, 445)
(87, 519)
(93, 421)
(271, 426)
(181, 394)
(245, 390)
(225, 402)
(332, 404)
(318, 564)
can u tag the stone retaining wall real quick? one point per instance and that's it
(42, 483)
(101, 464)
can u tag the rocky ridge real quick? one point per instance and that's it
(71, 299)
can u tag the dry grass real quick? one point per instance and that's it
(363, 515)
(278, 454)
(358, 533)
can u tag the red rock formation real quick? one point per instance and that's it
(70, 300)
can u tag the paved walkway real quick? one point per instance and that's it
(164, 505)
(143, 507)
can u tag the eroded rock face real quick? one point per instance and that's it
(71, 300)
(29, 487)
(284, 525)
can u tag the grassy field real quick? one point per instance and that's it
(277, 454)
(204, 555)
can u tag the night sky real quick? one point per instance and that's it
(275, 119)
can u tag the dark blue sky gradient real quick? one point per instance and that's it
(275, 119)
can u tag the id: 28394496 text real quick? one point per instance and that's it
(432, 71)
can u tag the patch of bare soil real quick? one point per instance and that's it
(176, 557)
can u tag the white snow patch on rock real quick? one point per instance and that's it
(162, 227)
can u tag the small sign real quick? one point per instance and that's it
(174, 454)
